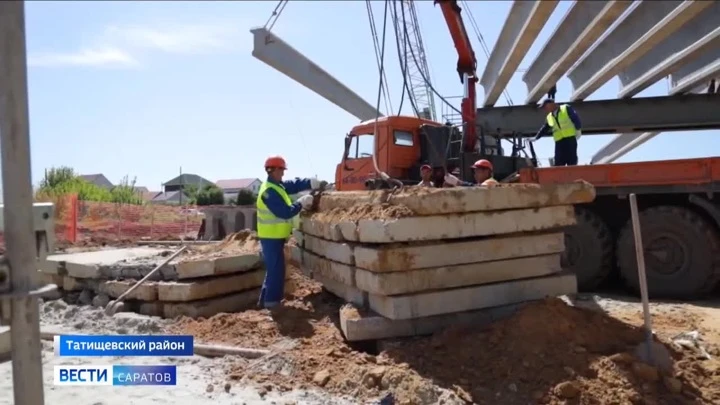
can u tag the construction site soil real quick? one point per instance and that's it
(547, 353)
(357, 212)
(235, 244)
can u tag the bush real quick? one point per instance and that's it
(62, 181)
(210, 195)
(245, 197)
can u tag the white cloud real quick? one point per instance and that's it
(96, 57)
(177, 39)
(123, 46)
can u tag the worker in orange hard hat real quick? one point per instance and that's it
(482, 173)
(426, 176)
(275, 211)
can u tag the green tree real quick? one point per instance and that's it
(192, 192)
(59, 181)
(210, 195)
(245, 197)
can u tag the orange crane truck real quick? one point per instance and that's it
(680, 217)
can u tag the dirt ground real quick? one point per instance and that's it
(549, 352)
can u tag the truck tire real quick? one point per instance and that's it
(588, 250)
(681, 249)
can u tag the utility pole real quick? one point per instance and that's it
(18, 301)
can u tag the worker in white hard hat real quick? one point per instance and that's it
(563, 123)
(426, 176)
(482, 174)
(275, 211)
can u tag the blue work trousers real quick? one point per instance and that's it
(273, 289)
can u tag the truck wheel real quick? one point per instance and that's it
(681, 253)
(588, 250)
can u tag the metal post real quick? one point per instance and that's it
(17, 193)
(640, 253)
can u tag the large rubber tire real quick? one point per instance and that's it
(588, 250)
(681, 250)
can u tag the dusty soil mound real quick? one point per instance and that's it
(235, 244)
(548, 353)
(363, 211)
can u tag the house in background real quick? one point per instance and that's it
(98, 179)
(183, 181)
(231, 187)
(171, 197)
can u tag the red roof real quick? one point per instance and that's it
(235, 183)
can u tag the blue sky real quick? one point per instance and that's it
(145, 88)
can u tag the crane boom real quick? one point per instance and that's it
(466, 68)
(417, 71)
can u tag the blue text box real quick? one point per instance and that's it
(123, 345)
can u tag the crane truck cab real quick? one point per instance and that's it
(405, 143)
(398, 152)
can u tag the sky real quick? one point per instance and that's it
(147, 89)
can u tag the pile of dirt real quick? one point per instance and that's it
(235, 244)
(548, 353)
(357, 212)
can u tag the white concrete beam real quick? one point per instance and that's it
(583, 24)
(272, 50)
(645, 27)
(688, 44)
(683, 81)
(522, 26)
(623, 144)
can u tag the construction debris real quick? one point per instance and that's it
(429, 258)
(202, 281)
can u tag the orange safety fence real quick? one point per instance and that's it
(89, 222)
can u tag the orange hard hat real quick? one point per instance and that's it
(275, 162)
(482, 163)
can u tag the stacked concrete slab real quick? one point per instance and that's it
(192, 285)
(413, 261)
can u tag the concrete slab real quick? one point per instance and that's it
(335, 251)
(206, 308)
(436, 201)
(417, 281)
(5, 343)
(389, 258)
(299, 237)
(443, 227)
(348, 293)
(217, 266)
(472, 298)
(328, 269)
(296, 255)
(148, 291)
(358, 325)
(73, 284)
(88, 264)
(209, 287)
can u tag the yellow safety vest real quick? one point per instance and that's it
(268, 225)
(563, 127)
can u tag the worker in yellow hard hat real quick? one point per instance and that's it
(482, 174)
(275, 211)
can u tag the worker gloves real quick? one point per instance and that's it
(306, 201)
(451, 180)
